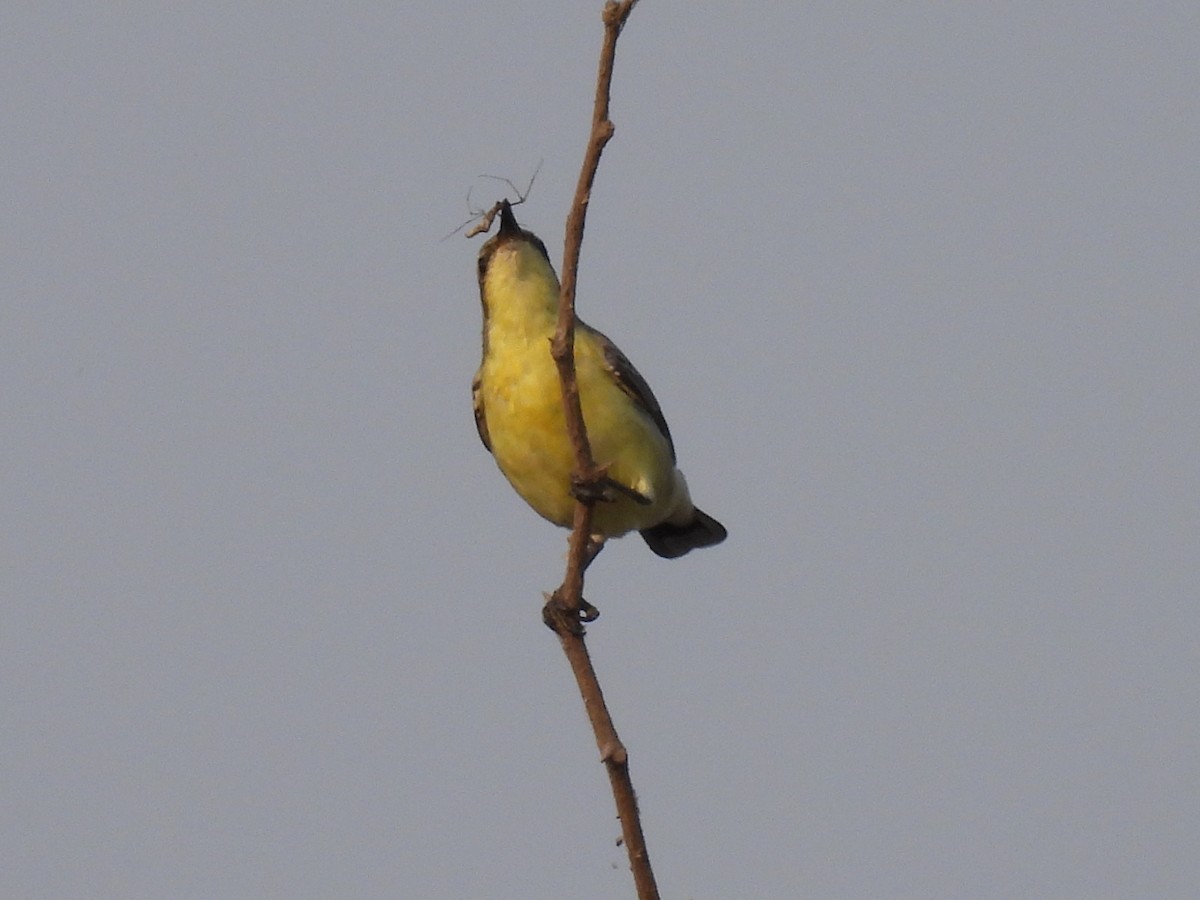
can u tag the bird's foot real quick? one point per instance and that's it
(562, 618)
(592, 489)
(599, 488)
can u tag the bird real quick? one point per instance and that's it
(519, 414)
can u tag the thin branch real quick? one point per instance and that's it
(563, 346)
(565, 608)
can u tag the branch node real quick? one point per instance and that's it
(615, 754)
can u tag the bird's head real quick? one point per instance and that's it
(514, 257)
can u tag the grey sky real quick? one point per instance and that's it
(917, 289)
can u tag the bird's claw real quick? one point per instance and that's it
(599, 488)
(595, 489)
(561, 618)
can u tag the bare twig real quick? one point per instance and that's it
(565, 608)
(563, 346)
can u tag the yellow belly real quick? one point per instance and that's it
(523, 406)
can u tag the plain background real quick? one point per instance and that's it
(917, 287)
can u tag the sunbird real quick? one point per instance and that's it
(519, 411)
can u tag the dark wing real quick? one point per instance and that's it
(480, 417)
(631, 382)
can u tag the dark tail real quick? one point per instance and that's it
(670, 541)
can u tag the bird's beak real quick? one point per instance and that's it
(508, 222)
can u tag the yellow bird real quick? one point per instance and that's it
(519, 413)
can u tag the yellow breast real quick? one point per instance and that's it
(522, 401)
